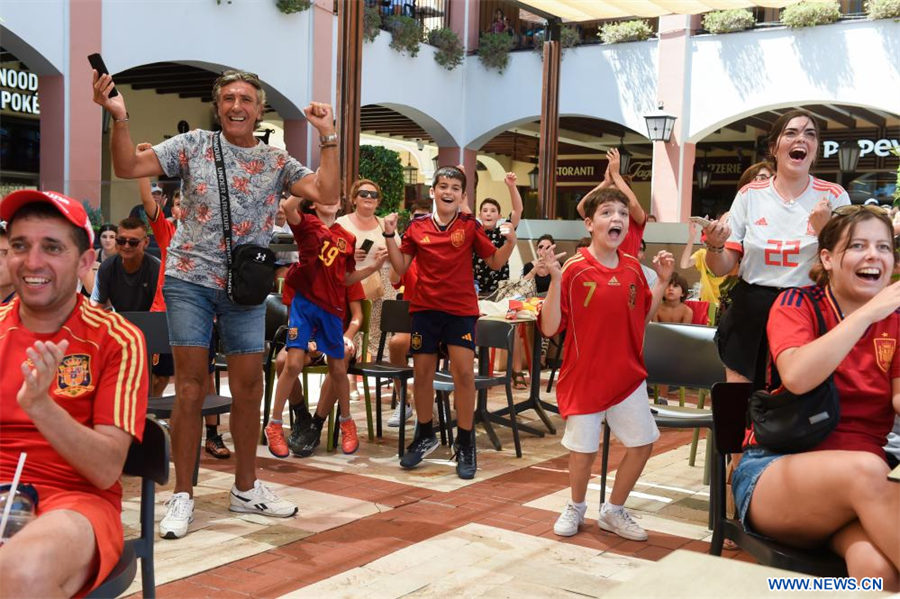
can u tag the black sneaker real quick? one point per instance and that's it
(304, 441)
(417, 451)
(466, 460)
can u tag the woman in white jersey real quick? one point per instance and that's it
(772, 230)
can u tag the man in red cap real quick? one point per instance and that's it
(73, 395)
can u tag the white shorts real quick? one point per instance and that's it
(629, 420)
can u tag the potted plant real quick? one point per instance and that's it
(810, 13)
(371, 23)
(450, 48)
(568, 38)
(625, 31)
(728, 21)
(291, 6)
(883, 9)
(406, 34)
(383, 166)
(493, 50)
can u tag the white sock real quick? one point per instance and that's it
(611, 507)
(582, 506)
(342, 419)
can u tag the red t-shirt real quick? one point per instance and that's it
(102, 380)
(408, 281)
(446, 278)
(631, 245)
(604, 312)
(322, 282)
(163, 230)
(863, 378)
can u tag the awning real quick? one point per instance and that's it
(592, 10)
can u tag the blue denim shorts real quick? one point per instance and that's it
(753, 462)
(191, 309)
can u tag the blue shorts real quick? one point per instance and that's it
(743, 481)
(308, 322)
(432, 327)
(191, 308)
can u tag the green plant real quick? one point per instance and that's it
(883, 9)
(728, 21)
(450, 47)
(568, 38)
(95, 215)
(810, 13)
(384, 167)
(493, 50)
(291, 6)
(625, 31)
(371, 23)
(896, 152)
(406, 34)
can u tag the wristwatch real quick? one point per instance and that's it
(327, 139)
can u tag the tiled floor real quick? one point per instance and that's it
(366, 528)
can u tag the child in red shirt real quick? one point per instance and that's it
(442, 246)
(601, 296)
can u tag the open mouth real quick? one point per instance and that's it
(869, 273)
(615, 231)
(237, 119)
(448, 199)
(797, 154)
(35, 281)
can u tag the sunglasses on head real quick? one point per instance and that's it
(365, 193)
(762, 177)
(130, 241)
(854, 208)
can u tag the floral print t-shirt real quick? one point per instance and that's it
(256, 177)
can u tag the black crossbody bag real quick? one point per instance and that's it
(251, 268)
(788, 423)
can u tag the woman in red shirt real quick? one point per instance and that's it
(838, 492)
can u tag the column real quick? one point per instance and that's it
(454, 156)
(52, 93)
(84, 144)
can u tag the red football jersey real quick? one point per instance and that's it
(631, 245)
(446, 279)
(864, 376)
(322, 282)
(604, 312)
(163, 230)
(102, 380)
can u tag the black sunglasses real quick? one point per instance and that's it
(131, 242)
(365, 193)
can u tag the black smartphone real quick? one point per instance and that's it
(98, 65)
(367, 245)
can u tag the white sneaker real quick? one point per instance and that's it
(569, 520)
(620, 523)
(179, 513)
(260, 500)
(394, 420)
(354, 395)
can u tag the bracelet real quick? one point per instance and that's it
(387, 235)
(326, 139)
(715, 249)
(125, 120)
(332, 144)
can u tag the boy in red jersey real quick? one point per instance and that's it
(73, 394)
(317, 312)
(601, 296)
(442, 246)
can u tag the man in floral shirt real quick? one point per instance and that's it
(196, 269)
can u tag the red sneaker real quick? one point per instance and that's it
(349, 440)
(278, 447)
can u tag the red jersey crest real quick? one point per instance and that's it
(884, 352)
(73, 377)
(458, 238)
(341, 244)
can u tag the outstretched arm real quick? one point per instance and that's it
(607, 182)
(498, 259)
(515, 198)
(399, 260)
(551, 312)
(634, 207)
(324, 185)
(685, 261)
(663, 264)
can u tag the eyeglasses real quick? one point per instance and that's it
(365, 193)
(129, 240)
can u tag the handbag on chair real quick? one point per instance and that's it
(785, 422)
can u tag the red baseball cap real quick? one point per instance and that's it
(69, 208)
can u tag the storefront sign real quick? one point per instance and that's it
(879, 147)
(19, 93)
(580, 171)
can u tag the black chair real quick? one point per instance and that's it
(729, 409)
(394, 319)
(148, 459)
(489, 334)
(154, 325)
(554, 362)
(276, 336)
(679, 355)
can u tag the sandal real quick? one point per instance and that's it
(519, 381)
(216, 447)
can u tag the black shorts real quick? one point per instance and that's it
(433, 327)
(741, 336)
(163, 365)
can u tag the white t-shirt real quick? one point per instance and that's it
(778, 244)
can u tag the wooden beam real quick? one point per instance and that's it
(548, 148)
(350, 40)
(866, 115)
(831, 114)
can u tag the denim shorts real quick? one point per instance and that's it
(753, 462)
(191, 309)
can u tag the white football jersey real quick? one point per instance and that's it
(778, 244)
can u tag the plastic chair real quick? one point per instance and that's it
(729, 410)
(154, 326)
(489, 334)
(394, 319)
(148, 459)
